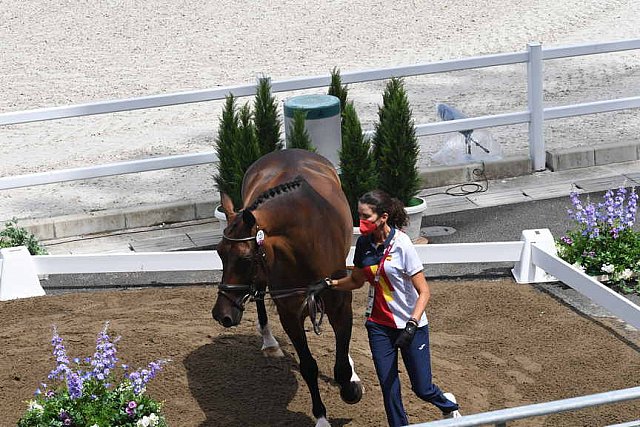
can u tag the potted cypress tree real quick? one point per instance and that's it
(396, 150)
(357, 167)
(299, 137)
(243, 137)
(237, 146)
(266, 119)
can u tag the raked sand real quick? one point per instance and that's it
(72, 52)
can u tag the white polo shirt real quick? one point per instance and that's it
(395, 296)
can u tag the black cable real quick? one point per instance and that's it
(468, 187)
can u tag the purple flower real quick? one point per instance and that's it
(65, 417)
(74, 384)
(566, 240)
(60, 353)
(104, 359)
(132, 404)
(141, 377)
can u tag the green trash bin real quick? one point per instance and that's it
(322, 122)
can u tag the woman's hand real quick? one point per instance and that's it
(406, 336)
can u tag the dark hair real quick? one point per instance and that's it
(381, 203)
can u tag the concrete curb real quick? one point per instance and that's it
(584, 157)
(437, 176)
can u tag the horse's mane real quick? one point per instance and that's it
(275, 191)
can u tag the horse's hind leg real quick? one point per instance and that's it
(293, 325)
(270, 346)
(340, 316)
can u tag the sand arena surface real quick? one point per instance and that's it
(84, 51)
(495, 344)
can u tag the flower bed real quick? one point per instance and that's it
(91, 394)
(603, 242)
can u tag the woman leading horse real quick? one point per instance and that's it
(294, 230)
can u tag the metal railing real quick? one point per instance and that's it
(535, 116)
(501, 417)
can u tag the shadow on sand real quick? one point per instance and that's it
(235, 385)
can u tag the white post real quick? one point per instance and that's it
(535, 104)
(18, 277)
(525, 271)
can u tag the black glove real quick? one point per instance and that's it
(406, 336)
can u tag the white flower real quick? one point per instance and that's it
(154, 419)
(607, 268)
(35, 406)
(578, 267)
(144, 422)
(626, 274)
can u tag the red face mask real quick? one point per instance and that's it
(367, 227)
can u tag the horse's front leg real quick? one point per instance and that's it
(293, 325)
(270, 346)
(340, 316)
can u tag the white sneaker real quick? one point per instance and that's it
(452, 414)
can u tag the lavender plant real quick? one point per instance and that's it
(95, 391)
(604, 241)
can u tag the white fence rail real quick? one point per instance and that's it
(534, 116)
(530, 257)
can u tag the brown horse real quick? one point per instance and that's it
(294, 230)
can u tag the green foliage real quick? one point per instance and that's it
(357, 167)
(299, 137)
(603, 241)
(247, 149)
(395, 145)
(266, 118)
(338, 90)
(227, 179)
(12, 235)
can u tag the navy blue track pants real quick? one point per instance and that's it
(417, 361)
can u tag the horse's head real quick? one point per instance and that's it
(241, 265)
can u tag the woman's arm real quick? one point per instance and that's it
(420, 283)
(353, 281)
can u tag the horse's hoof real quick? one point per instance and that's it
(322, 422)
(352, 393)
(274, 352)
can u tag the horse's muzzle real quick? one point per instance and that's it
(226, 312)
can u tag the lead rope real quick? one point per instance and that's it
(315, 306)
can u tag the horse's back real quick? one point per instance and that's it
(284, 166)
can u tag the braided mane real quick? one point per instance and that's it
(274, 191)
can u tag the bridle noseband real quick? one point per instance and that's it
(314, 305)
(251, 292)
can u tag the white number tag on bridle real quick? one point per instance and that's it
(260, 237)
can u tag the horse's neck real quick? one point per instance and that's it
(290, 246)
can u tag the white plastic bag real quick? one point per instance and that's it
(458, 149)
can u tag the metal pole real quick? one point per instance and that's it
(535, 103)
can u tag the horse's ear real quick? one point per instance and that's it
(248, 218)
(227, 206)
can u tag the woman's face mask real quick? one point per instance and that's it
(370, 221)
(367, 227)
